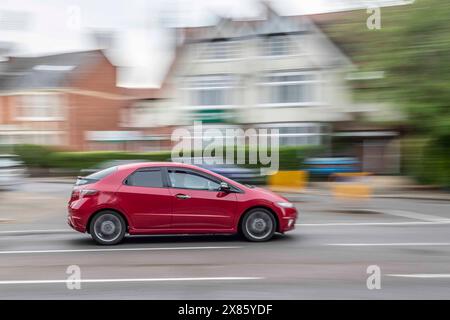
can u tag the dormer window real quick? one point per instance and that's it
(219, 50)
(277, 45)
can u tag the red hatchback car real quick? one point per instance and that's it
(173, 198)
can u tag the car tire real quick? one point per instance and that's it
(107, 228)
(258, 225)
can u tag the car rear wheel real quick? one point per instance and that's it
(258, 225)
(107, 228)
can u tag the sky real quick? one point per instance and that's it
(143, 45)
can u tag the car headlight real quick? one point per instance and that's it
(285, 204)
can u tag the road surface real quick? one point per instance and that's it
(325, 257)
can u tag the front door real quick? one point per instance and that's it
(197, 202)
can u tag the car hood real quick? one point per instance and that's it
(231, 170)
(270, 195)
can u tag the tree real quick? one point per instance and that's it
(413, 49)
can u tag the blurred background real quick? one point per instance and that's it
(352, 86)
(358, 90)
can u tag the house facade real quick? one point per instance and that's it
(276, 72)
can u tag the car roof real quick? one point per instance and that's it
(132, 166)
(157, 164)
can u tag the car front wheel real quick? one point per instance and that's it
(107, 228)
(258, 225)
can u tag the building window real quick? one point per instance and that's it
(220, 50)
(278, 45)
(43, 107)
(298, 134)
(290, 88)
(142, 114)
(210, 91)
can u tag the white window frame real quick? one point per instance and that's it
(34, 137)
(318, 135)
(233, 50)
(317, 94)
(229, 84)
(267, 43)
(22, 101)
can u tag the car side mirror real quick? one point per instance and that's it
(225, 187)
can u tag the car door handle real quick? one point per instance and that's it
(182, 196)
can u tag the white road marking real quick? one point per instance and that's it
(421, 275)
(400, 244)
(129, 280)
(403, 223)
(116, 249)
(413, 215)
(37, 231)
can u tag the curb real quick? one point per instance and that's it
(379, 196)
(296, 193)
(68, 181)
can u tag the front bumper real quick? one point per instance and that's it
(288, 219)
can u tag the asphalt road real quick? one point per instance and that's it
(325, 257)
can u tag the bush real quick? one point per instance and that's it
(291, 158)
(428, 160)
(35, 156)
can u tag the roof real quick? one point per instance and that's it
(44, 72)
(269, 24)
(56, 72)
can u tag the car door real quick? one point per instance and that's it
(197, 202)
(146, 198)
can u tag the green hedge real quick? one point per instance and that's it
(291, 158)
(428, 160)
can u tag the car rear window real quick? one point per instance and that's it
(99, 175)
(146, 178)
(96, 176)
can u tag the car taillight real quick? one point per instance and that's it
(75, 195)
(78, 194)
(88, 192)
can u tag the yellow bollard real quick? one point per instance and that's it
(294, 180)
(352, 185)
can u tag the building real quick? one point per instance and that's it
(276, 72)
(67, 100)
(280, 72)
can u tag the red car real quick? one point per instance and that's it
(173, 198)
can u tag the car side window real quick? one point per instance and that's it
(190, 180)
(146, 178)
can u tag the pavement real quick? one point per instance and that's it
(327, 256)
(383, 187)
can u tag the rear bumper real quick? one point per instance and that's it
(78, 214)
(76, 224)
